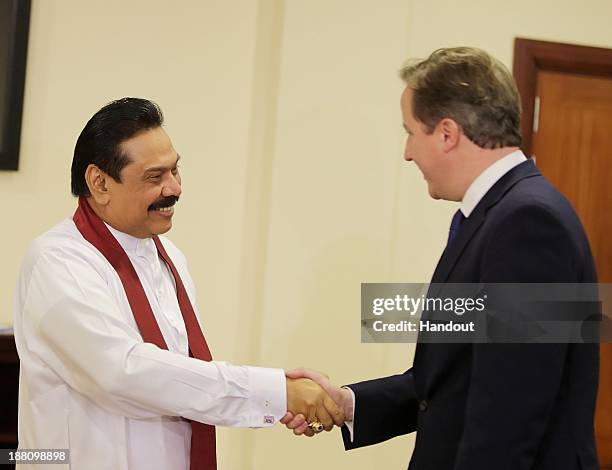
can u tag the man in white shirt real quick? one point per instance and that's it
(114, 365)
(484, 406)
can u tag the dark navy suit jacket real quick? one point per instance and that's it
(497, 406)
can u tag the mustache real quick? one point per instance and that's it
(165, 202)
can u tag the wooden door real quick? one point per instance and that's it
(572, 144)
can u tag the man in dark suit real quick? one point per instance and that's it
(483, 406)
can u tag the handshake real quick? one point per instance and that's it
(314, 403)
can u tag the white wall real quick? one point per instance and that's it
(286, 113)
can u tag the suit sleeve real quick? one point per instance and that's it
(384, 408)
(513, 386)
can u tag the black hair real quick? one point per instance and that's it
(100, 140)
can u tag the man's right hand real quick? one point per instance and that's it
(307, 399)
(339, 410)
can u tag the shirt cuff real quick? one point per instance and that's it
(350, 425)
(268, 392)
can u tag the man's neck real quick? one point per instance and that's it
(477, 160)
(487, 178)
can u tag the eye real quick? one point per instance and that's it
(154, 178)
(175, 170)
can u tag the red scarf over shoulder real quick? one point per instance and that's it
(203, 447)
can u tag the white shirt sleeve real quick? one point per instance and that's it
(85, 339)
(350, 425)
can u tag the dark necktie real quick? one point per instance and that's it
(455, 226)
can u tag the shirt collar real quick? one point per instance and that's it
(144, 247)
(488, 178)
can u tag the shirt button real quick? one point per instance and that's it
(423, 405)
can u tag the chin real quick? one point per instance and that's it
(432, 193)
(160, 229)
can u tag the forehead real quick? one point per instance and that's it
(150, 147)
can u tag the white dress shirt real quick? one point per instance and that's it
(485, 181)
(89, 383)
(474, 194)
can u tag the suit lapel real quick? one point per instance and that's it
(452, 253)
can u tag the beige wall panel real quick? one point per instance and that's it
(332, 206)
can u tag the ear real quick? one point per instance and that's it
(450, 133)
(97, 182)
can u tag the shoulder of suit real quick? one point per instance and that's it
(534, 195)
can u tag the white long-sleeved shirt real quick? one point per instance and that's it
(89, 383)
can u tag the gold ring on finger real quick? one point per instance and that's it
(316, 426)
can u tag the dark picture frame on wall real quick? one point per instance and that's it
(14, 31)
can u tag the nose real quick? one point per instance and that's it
(172, 186)
(407, 153)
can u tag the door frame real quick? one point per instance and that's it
(532, 56)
